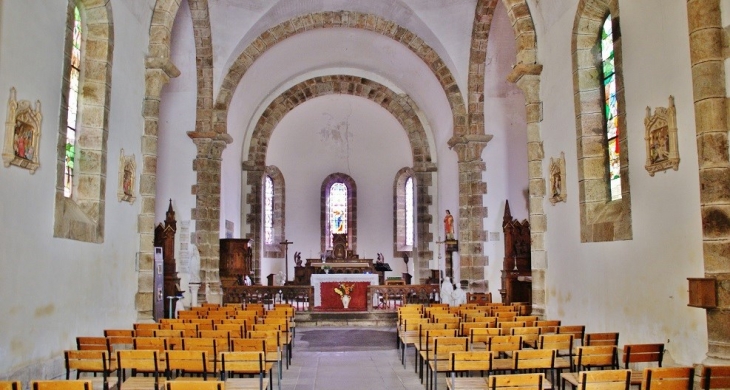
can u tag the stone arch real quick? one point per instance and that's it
(401, 106)
(347, 19)
(601, 219)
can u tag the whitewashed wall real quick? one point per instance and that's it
(638, 287)
(56, 289)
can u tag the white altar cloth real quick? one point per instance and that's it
(317, 279)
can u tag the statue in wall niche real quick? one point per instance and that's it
(557, 179)
(127, 177)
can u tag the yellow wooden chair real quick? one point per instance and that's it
(516, 382)
(465, 362)
(61, 385)
(598, 380)
(668, 378)
(195, 385)
(578, 331)
(10, 385)
(246, 363)
(437, 360)
(182, 363)
(91, 361)
(715, 377)
(642, 353)
(136, 361)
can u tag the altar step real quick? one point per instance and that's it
(344, 319)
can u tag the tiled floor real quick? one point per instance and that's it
(349, 359)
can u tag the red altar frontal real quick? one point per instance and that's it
(326, 297)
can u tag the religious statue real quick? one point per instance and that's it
(194, 267)
(449, 225)
(298, 259)
(447, 290)
(380, 259)
(458, 297)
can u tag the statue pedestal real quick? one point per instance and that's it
(194, 287)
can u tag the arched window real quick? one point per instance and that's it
(83, 125)
(273, 212)
(603, 152)
(404, 209)
(74, 79)
(268, 210)
(339, 205)
(610, 108)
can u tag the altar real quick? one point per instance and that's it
(325, 297)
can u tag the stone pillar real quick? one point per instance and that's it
(527, 78)
(254, 218)
(159, 72)
(708, 47)
(206, 213)
(424, 219)
(472, 188)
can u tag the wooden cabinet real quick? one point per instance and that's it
(517, 264)
(235, 261)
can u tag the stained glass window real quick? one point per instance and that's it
(73, 104)
(409, 211)
(269, 211)
(611, 108)
(337, 209)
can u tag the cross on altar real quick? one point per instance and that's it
(286, 244)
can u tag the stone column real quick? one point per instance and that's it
(472, 188)
(206, 213)
(527, 78)
(159, 72)
(254, 177)
(708, 48)
(424, 219)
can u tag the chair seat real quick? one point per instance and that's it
(98, 382)
(637, 376)
(142, 383)
(245, 384)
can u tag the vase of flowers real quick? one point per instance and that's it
(344, 291)
(326, 269)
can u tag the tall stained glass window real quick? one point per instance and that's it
(269, 210)
(73, 105)
(409, 211)
(337, 210)
(610, 108)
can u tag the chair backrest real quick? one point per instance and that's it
(715, 377)
(144, 325)
(195, 385)
(509, 325)
(533, 359)
(466, 327)
(483, 335)
(219, 333)
(516, 381)
(668, 378)
(61, 385)
(248, 345)
(610, 338)
(548, 326)
(529, 320)
(206, 344)
(92, 343)
(530, 334)
(605, 380)
(504, 343)
(559, 342)
(427, 338)
(144, 360)
(243, 362)
(578, 331)
(10, 385)
(88, 361)
(187, 361)
(643, 353)
(489, 320)
(602, 356)
(118, 332)
(155, 343)
(443, 346)
(471, 361)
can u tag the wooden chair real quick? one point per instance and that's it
(668, 378)
(502, 345)
(10, 385)
(601, 339)
(598, 380)
(534, 360)
(272, 346)
(138, 361)
(715, 377)
(437, 360)
(530, 335)
(507, 326)
(599, 356)
(92, 343)
(150, 326)
(246, 363)
(61, 385)
(195, 385)
(91, 361)
(413, 337)
(548, 326)
(425, 345)
(180, 363)
(563, 346)
(516, 382)
(248, 345)
(528, 320)
(642, 353)
(209, 345)
(479, 337)
(578, 331)
(467, 361)
(118, 332)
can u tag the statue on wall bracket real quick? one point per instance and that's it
(662, 149)
(558, 192)
(22, 134)
(127, 177)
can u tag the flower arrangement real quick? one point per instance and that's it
(326, 268)
(344, 289)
